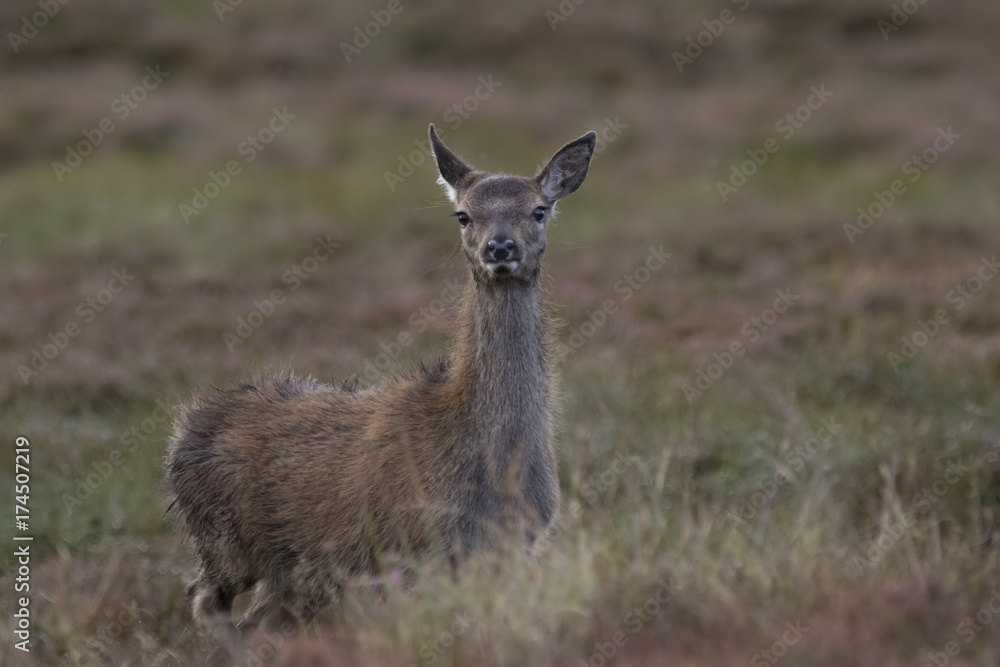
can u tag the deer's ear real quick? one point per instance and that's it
(451, 169)
(567, 169)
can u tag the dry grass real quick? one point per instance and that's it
(794, 554)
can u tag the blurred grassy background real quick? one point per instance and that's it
(824, 546)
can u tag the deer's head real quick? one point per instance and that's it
(504, 218)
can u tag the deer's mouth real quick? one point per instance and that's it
(503, 268)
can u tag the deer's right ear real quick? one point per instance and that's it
(450, 167)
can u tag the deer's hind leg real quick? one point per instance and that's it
(212, 606)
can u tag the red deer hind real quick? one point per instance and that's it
(297, 488)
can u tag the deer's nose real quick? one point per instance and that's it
(499, 249)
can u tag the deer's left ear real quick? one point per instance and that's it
(451, 169)
(567, 169)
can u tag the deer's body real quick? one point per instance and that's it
(297, 487)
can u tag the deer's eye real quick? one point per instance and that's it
(539, 214)
(463, 219)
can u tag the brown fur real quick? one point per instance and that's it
(295, 487)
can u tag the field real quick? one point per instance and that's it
(777, 446)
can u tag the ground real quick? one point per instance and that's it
(778, 444)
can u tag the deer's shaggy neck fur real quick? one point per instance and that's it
(500, 362)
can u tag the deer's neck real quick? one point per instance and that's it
(501, 365)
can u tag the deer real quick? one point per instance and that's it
(294, 488)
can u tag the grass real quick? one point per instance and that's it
(809, 483)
